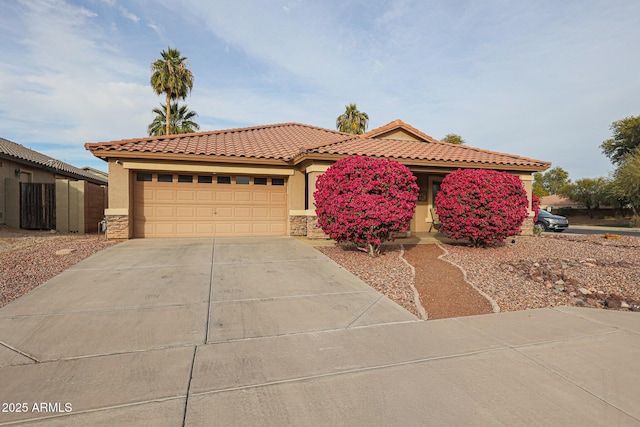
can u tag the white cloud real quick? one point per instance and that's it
(70, 85)
(129, 15)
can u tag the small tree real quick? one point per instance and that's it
(626, 182)
(482, 206)
(587, 191)
(365, 201)
(453, 138)
(626, 137)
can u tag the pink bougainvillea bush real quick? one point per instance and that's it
(365, 201)
(535, 207)
(482, 206)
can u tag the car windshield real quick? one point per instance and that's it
(543, 213)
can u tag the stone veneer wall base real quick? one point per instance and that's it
(117, 227)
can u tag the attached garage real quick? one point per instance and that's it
(195, 205)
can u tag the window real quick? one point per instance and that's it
(185, 178)
(259, 181)
(205, 179)
(165, 177)
(224, 180)
(277, 181)
(143, 177)
(242, 180)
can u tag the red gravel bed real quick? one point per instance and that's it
(442, 288)
(28, 260)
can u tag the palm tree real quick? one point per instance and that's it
(171, 76)
(180, 121)
(352, 120)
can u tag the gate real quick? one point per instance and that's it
(37, 206)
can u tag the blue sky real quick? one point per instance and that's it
(541, 79)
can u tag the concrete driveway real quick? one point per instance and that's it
(271, 332)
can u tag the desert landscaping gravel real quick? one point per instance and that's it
(28, 259)
(514, 274)
(534, 272)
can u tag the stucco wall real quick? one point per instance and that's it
(10, 188)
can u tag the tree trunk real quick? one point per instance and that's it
(168, 115)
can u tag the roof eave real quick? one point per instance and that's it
(445, 164)
(105, 155)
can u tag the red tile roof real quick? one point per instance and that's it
(395, 125)
(279, 141)
(290, 141)
(441, 152)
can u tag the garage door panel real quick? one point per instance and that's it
(148, 194)
(204, 212)
(205, 209)
(186, 229)
(260, 212)
(185, 195)
(164, 195)
(260, 196)
(242, 212)
(242, 229)
(279, 197)
(223, 228)
(277, 229)
(202, 196)
(205, 229)
(223, 213)
(223, 196)
(183, 212)
(241, 196)
(165, 212)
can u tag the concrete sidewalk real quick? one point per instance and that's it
(271, 332)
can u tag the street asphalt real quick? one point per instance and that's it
(269, 331)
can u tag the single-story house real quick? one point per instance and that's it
(557, 202)
(259, 181)
(40, 192)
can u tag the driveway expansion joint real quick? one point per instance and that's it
(20, 352)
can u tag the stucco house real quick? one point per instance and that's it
(259, 181)
(40, 192)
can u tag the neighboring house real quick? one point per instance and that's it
(96, 172)
(40, 192)
(259, 181)
(557, 202)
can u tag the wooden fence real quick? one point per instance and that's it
(37, 206)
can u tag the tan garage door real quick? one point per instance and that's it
(191, 205)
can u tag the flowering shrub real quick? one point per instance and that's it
(483, 206)
(365, 201)
(535, 207)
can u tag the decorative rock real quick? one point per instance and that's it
(613, 303)
(559, 282)
(584, 291)
(65, 251)
(623, 304)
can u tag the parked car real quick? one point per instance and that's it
(549, 222)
